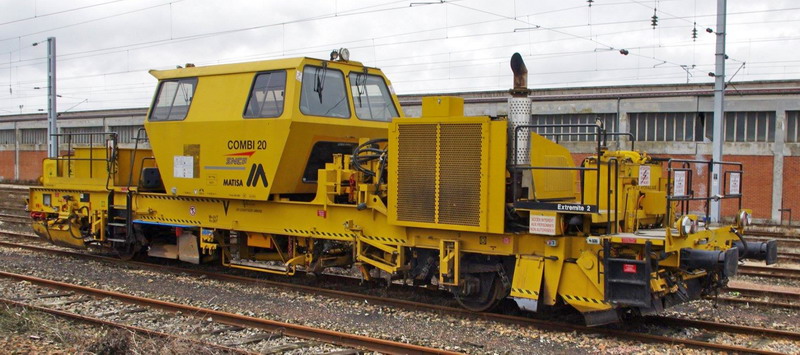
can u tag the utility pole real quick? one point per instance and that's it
(719, 109)
(52, 128)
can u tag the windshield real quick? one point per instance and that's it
(324, 93)
(173, 99)
(371, 97)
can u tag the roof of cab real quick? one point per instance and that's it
(235, 68)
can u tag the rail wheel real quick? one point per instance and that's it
(481, 292)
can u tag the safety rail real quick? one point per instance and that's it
(68, 157)
(136, 141)
(680, 177)
(515, 168)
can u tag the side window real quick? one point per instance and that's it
(267, 95)
(173, 99)
(323, 93)
(372, 98)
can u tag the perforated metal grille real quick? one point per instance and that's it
(519, 114)
(460, 174)
(416, 173)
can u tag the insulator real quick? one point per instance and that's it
(590, 2)
(654, 20)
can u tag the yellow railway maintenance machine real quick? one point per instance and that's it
(305, 164)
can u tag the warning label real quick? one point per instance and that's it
(545, 225)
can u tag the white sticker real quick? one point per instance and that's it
(679, 187)
(183, 167)
(391, 89)
(298, 75)
(644, 175)
(545, 225)
(734, 183)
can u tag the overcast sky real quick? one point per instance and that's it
(105, 47)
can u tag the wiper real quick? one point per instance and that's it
(361, 82)
(319, 79)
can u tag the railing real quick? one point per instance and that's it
(110, 144)
(136, 140)
(680, 173)
(602, 137)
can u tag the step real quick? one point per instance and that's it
(628, 282)
(117, 224)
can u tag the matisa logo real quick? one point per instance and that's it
(256, 176)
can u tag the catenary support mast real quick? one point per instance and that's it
(719, 109)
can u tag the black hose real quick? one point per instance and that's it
(357, 159)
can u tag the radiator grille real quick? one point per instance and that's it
(460, 174)
(416, 173)
(439, 173)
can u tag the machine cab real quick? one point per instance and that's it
(252, 130)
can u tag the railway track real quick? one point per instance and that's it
(294, 330)
(769, 271)
(58, 298)
(543, 324)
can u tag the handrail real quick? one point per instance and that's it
(133, 155)
(68, 157)
(516, 167)
(602, 138)
(686, 165)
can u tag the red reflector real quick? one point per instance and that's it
(322, 213)
(629, 268)
(629, 240)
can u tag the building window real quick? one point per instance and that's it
(792, 131)
(8, 136)
(77, 136)
(749, 126)
(173, 99)
(34, 136)
(127, 134)
(670, 126)
(267, 95)
(573, 134)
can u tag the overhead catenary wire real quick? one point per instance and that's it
(391, 63)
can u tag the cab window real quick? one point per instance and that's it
(267, 95)
(173, 99)
(323, 93)
(371, 97)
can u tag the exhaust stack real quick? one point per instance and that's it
(519, 114)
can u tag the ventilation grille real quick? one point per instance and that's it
(439, 173)
(416, 173)
(460, 174)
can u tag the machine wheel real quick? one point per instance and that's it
(127, 251)
(481, 292)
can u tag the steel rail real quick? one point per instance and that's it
(139, 330)
(545, 324)
(724, 327)
(756, 301)
(760, 292)
(295, 330)
(769, 271)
